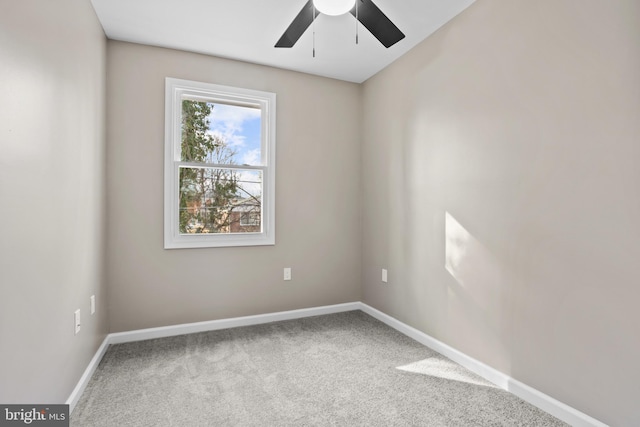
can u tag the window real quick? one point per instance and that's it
(219, 166)
(250, 219)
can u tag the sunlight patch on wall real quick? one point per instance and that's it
(476, 302)
(469, 261)
(446, 369)
(457, 240)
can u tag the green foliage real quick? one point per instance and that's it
(197, 145)
(206, 193)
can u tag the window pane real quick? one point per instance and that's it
(217, 200)
(221, 133)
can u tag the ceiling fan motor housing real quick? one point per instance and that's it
(334, 7)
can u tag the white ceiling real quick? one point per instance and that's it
(247, 30)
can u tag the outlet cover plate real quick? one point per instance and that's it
(76, 319)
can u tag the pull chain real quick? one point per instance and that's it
(357, 21)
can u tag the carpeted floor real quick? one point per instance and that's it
(344, 369)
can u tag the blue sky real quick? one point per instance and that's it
(240, 127)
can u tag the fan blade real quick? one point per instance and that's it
(377, 23)
(298, 26)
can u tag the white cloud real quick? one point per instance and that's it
(232, 139)
(227, 122)
(252, 157)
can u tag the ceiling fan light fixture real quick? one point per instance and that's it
(334, 7)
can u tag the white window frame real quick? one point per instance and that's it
(175, 90)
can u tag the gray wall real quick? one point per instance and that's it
(52, 83)
(501, 190)
(317, 197)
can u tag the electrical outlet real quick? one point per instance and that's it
(287, 273)
(93, 304)
(76, 319)
(384, 275)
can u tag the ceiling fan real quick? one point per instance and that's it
(364, 11)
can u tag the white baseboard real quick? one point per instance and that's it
(486, 372)
(523, 391)
(546, 403)
(86, 376)
(552, 406)
(214, 325)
